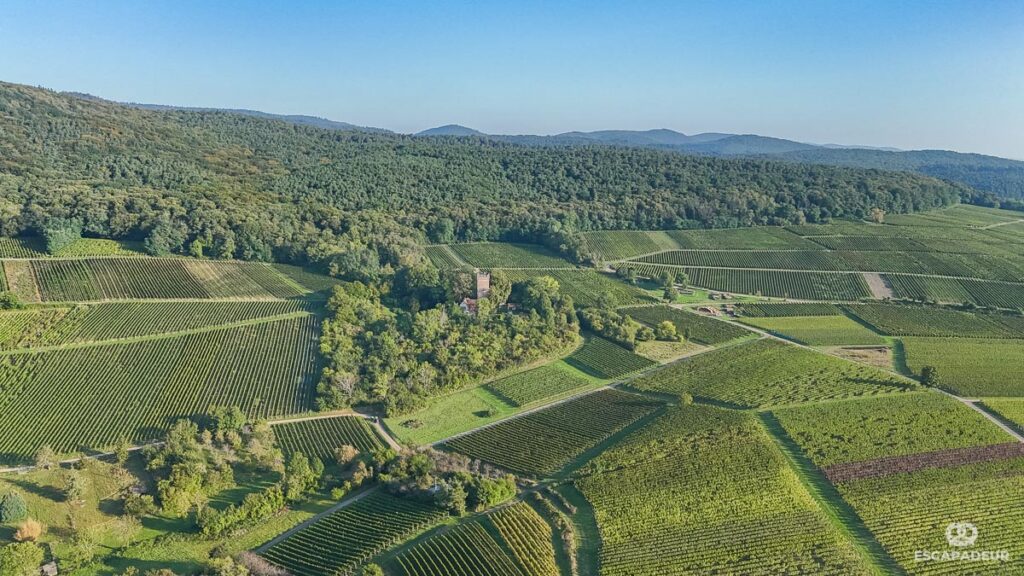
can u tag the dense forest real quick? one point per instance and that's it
(230, 185)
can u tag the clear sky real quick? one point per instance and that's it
(912, 74)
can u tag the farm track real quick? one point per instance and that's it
(974, 404)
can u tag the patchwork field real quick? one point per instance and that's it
(702, 470)
(765, 373)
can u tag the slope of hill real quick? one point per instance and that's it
(226, 184)
(450, 130)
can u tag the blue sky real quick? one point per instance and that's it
(911, 74)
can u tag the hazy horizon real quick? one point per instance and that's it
(918, 75)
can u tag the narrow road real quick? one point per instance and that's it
(973, 403)
(998, 224)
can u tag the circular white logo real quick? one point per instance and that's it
(961, 534)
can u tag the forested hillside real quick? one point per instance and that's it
(226, 185)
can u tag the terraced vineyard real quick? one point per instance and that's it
(692, 326)
(533, 385)
(702, 470)
(339, 542)
(85, 398)
(543, 442)
(971, 366)
(768, 373)
(818, 330)
(320, 437)
(604, 359)
(861, 430)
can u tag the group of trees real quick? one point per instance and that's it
(380, 351)
(226, 185)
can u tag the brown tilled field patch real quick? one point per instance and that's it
(879, 356)
(839, 473)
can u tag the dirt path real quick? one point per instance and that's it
(973, 403)
(998, 224)
(880, 288)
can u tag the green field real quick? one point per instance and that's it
(82, 398)
(542, 442)
(859, 430)
(92, 279)
(504, 255)
(818, 330)
(339, 542)
(622, 244)
(693, 327)
(604, 359)
(443, 257)
(320, 437)
(970, 366)
(765, 373)
(935, 321)
(699, 470)
(910, 512)
(540, 383)
(758, 238)
(957, 291)
(771, 310)
(777, 284)
(1011, 409)
(587, 286)
(512, 541)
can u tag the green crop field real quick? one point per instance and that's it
(762, 238)
(910, 512)
(970, 366)
(587, 286)
(818, 330)
(24, 247)
(791, 260)
(503, 255)
(956, 291)
(758, 310)
(515, 542)
(320, 437)
(79, 398)
(154, 278)
(766, 372)
(1011, 409)
(604, 359)
(705, 491)
(534, 385)
(311, 281)
(802, 285)
(342, 540)
(443, 257)
(622, 244)
(694, 327)
(933, 321)
(542, 442)
(859, 430)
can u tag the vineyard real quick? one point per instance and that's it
(759, 310)
(542, 442)
(533, 385)
(932, 321)
(149, 278)
(693, 327)
(442, 257)
(791, 260)
(859, 430)
(504, 255)
(956, 291)
(518, 544)
(759, 238)
(87, 397)
(705, 491)
(910, 512)
(1011, 409)
(587, 286)
(339, 542)
(777, 284)
(320, 437)
(970, 366)
(602, 358)
(818, 330)
(622, 244)
(768, 373)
